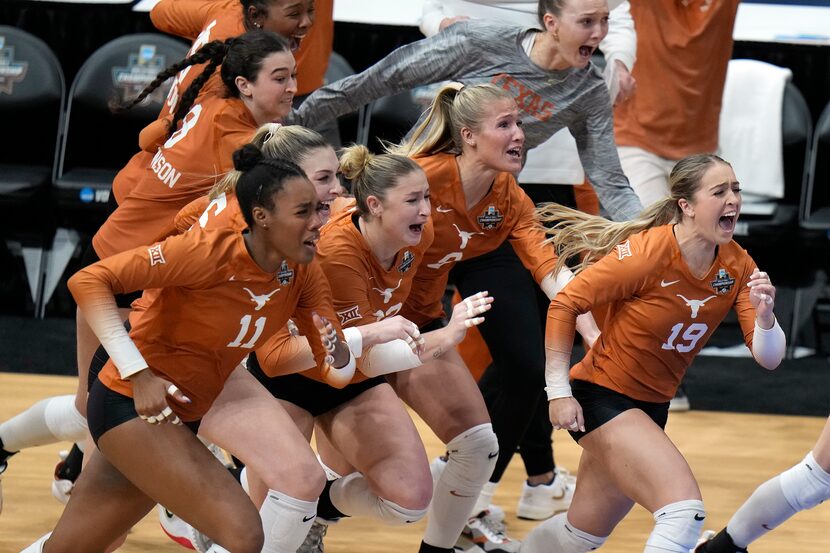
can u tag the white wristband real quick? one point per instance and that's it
(557, 375)
(769, 346)
(355, 340)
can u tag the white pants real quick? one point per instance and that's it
(648, 173)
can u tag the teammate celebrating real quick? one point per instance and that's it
(215, 294)
(669, 277)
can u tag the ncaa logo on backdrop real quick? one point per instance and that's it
(89, 195)
(11, 71)
(142, 68)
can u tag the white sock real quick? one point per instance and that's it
(352, 496)
(801, 487)
(285, 521)
(473, 455)
(50, 420)
(485, 498)
(557, 534)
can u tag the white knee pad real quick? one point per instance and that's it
(394, 515)
(806, 484)
(64, 420)
(677, 527)
(472, 456)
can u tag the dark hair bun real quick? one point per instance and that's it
(246, 157)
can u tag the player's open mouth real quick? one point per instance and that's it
(586, 51)
(324, 209)
(312, 242)
(515, 153)
(728, 220)
(295, 41)
(417, 229)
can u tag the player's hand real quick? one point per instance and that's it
(447, 21)
(626, 83)
(762, 298)
(566, 413)
(393, 328)
(337, 354)
(150, 397)
(467, 313)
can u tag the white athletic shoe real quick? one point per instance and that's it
(37, 547)
(482, 533)
(545, 500)
(61, 487)
(181, 532)
(436, 467)
(680, 402)
(566, 475)
(704, 537)
(314, 539)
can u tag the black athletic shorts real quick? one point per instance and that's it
(99, 359)
(600, 405)
(315, 397)
(107, 409)
(121, 300)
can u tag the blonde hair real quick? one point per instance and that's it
(575, 233)
(373, 175)
(455, 106)
(291, 142)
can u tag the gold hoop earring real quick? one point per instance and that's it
(555, 36)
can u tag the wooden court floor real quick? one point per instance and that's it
(730, 454)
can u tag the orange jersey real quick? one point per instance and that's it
(184, 167)
(683, 49)
(208, 305)
(203, 21)
(660, 314)
(363, 291)
(504, 213)
(282, 353)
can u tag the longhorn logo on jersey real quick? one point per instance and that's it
(406, 261)
(723, 282)
(490, 219)
(285, 274)
(695, 305)
(387, 292)
(11, 71)
(260, 301)
(455, 256)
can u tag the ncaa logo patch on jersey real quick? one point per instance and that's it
(156, 257)
(490, 219)
(11, 71)
(723, 282)
(285, 274)
(406, 261)
(350, 314)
